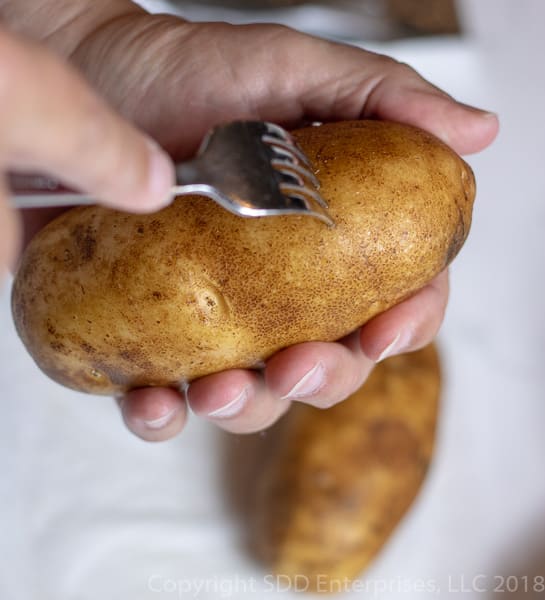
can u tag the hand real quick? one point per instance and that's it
(51, 121)
(206, 73)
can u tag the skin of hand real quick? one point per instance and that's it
(175, 80)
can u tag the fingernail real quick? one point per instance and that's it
(396, 346)
(161, 422)
(161, 176)
(232, 408)
(309, 384)
(486, 114)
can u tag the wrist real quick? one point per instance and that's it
(63, 24)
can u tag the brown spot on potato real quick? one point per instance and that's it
(155, 226)
(210, 303)
(87, 348)
(115, 374)
(137, 357)
(457, 241)
(58, 347)
(85, 241)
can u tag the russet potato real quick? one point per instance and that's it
(107, 301)
(321, 492)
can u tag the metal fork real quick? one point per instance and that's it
(251, 168)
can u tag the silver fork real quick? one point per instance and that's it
(251, 168)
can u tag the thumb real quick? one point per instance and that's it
(349, 83)
(52, 122)
(404, 96)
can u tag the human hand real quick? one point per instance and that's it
(51, 121)
(206, 73)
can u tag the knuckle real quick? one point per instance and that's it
(387, 63)
(395, 70)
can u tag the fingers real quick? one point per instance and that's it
(52, 122)
(237, 401)
(410, 325)
(242, 401)
(153, 414)
(316, 373)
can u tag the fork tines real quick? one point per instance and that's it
(297, 180)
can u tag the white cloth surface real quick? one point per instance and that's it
(88, 511)
(348, 19)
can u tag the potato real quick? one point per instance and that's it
(324, 489)
(107, 301)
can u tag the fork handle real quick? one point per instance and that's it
(36, 200)
(35, 191)
(38, 191)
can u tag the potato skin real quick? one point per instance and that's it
(329, 486)
(106, 301)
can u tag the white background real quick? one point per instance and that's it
(88, 511)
